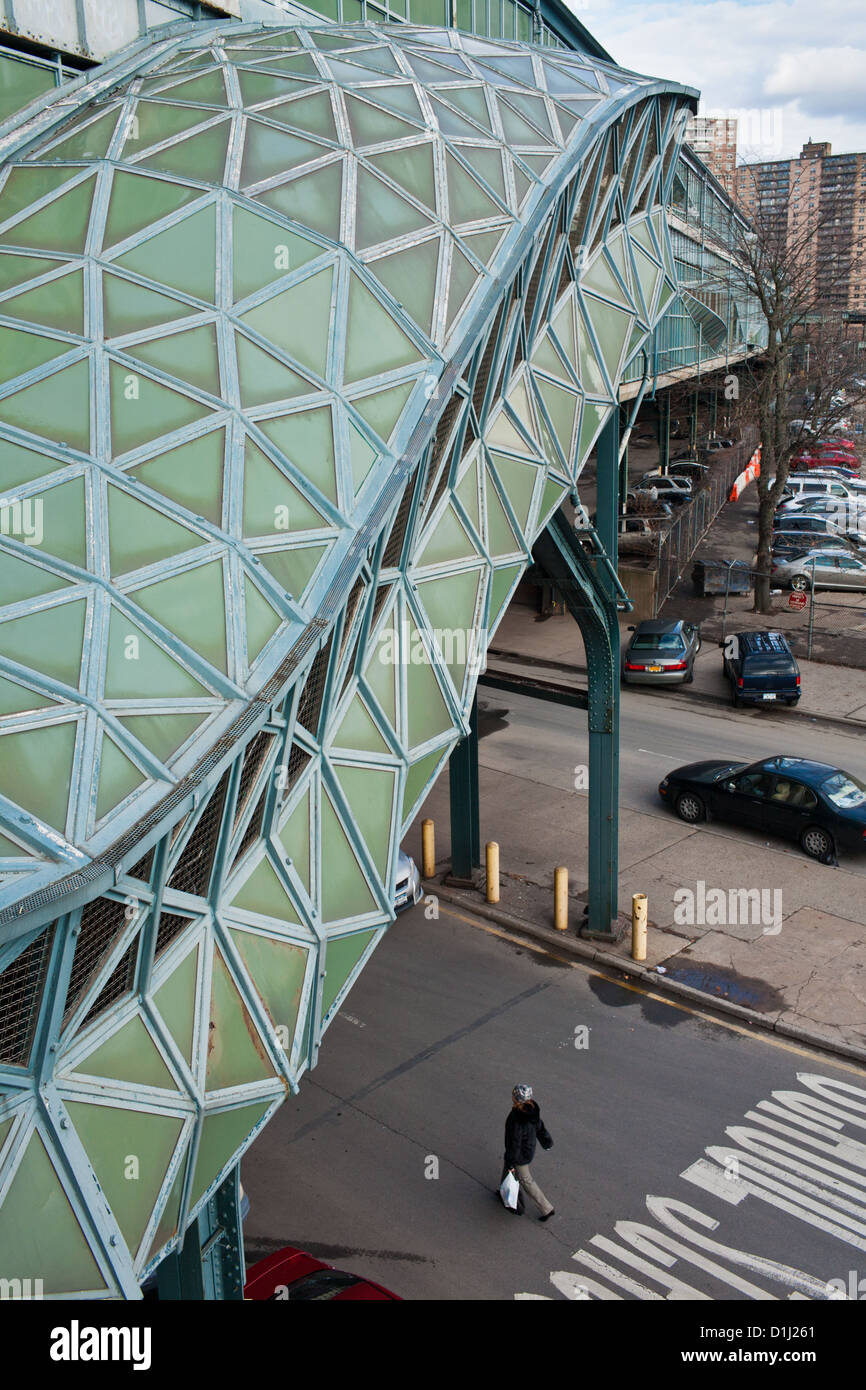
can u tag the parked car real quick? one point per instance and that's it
(830, 569)
(661, 653)
(643, 440)
(837, 458)
(817, 487)
(407, 888)
(690, 468)
(791, 543)
(294, 1276)
(847, 518)
(676, 491)
(761, 669)
(816, 804)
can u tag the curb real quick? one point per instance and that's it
(584, 950)
(841, 722)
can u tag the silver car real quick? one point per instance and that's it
(661, 653)
(407, 888)
(832, 569)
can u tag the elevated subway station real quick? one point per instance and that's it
(307, 333)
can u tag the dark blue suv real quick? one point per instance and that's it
(761, 668)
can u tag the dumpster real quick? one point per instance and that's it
(716, 577)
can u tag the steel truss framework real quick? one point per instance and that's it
(310, 331)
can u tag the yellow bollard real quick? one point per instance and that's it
(428, 849)
(560, 898)
(492, 861)
(638, 926)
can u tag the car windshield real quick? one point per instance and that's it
(658, 642)
(844, 791)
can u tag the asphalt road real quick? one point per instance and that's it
(387, 1161)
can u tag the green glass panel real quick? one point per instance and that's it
(115, 1136)
(518, 481)
(362, 456)
(307, 440)
(209, 89)
(191, 474)
(277, 969)
(235, 1054)
(268, 151)
(192, 605)
(382, 409)
(532, 107)
(374, 343)
(464, 278)
(562, 324)
(411, 277)
(370, 794)
(271, 503)
(130, 1054)
(467, 201)
(484, 245)
(182, 257)
(261, 620)
(59, 304)
(61, 226)
(451, 605)
(221, 1137)
(517, 130)
(345, 891)
(313, 199)
(472, 102)
(380, 672)
(381, 214)
(448, 541)
(357, 729)
(487, 163)
(263, 252)
(295, 838)
(546, 357)
(426, 709)
(129, 308)
(49, 641)
(376, 59)
(665, 295)
(612, 329)
(371, 126)
(298, 320)
(168, 1221)
(262, 379)
(523, 185)
(412, 169)
(175, 1000)
(21, 83)
(142, 409)
(58, 407)
(137, 200)
(343, 955)
(201, 156)
(397, 97)
(20, 352)
(27, 184)
(312, 114)
(501, 539)
(293, 569)
(593, 418)
(500, 589)
(16, 268)
(417, 778)
(163, 734)
(298, 62)
(191, 356)
(138, 669)
(19, 465)
(265, 86)
(616, 251)
(590, 373)
(15, 699)
(20, 580)
(263, 892)
(501, 431)
(36, 770)
(562, 407)
(39, 1233)
(118, 776)
(451, 125)
(600, 277)
(140, 535)
(467, 491)
(156, 121)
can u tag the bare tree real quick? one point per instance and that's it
(796, 262)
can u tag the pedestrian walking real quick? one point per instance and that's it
(525, 1128)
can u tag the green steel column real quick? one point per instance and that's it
(623, 472)
(210, 1263)
(603, 682)
(465, 818)
(664, 430)
(715, 407)
(693, 422)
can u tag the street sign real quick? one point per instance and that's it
(797, 600)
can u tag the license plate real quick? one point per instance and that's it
(768, 697)
(655, 668)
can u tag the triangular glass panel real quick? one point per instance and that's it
(306, 438)
(314, 199)
(410, 276)
(374, 342)
(182, 257)
(191, 474)
(297, 320)
(140, 535)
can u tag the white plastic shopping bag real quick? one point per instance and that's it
(509, 1191)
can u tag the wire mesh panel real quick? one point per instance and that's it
(120, 982)
(192, 873)
(254, 760)
(171, 924)
(310, 703)
(142, 869)
(21, 985)
(102, 921)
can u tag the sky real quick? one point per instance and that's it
(789, 70)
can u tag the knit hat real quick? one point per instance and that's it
(522, 1093)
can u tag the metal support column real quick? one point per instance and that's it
(209, 1266)
(623, 470)
(715, 408)
(465, 817)
(693, 422)
(664, 430)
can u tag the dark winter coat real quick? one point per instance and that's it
(523, 1129)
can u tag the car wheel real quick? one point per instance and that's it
(690, 808)
(799, 582)
(735, 699)
(689, 676)
(817, 843)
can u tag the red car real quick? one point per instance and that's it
(827, 458)
(294, 1275)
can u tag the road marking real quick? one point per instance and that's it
(666, 757)
(638, 988)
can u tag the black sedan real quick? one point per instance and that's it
(813, 803)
